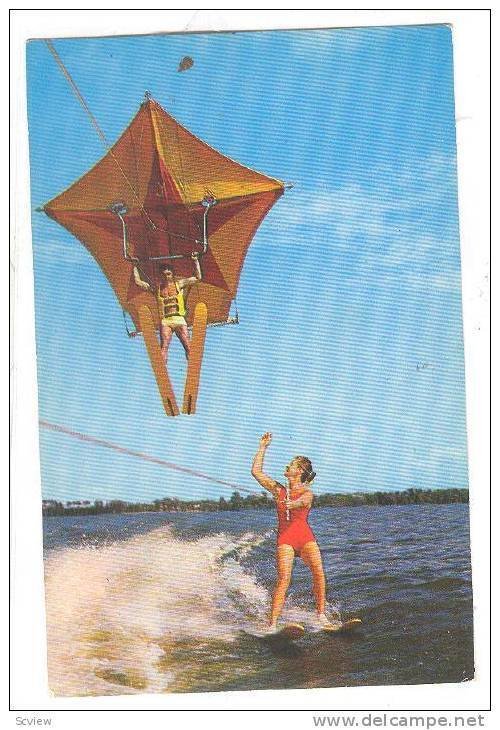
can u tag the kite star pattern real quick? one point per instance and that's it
(162, 176)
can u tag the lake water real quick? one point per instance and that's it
(161, 602)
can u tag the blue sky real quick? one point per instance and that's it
(350, 344)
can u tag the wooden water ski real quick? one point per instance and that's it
(156, 359)
(345, 627)
(286, 632)
(289, 632)
(195, 358)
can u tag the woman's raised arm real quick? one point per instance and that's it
(258, 464)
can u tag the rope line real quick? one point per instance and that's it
(103, 137)
(140, 455)
(94, 121)
(77, 93)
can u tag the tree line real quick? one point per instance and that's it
(255, 501)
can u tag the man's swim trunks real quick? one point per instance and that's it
(174, 322)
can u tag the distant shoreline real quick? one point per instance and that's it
(53, 508)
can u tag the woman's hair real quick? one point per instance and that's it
(307, 471)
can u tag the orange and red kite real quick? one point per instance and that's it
(148, 198)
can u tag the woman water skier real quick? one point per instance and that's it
(295, 537)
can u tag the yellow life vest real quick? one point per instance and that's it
(171, 305)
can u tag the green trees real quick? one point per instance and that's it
(257, 501)
(408, 496)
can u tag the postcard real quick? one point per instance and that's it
(248, 316)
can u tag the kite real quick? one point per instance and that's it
(158, 195)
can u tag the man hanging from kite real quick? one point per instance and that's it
(157, 192)
(171, 296)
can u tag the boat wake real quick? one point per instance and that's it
(128, 613)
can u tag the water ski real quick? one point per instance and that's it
(345, 627)
(289, 632)
(195, 358)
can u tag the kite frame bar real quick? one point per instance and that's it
(120, 209)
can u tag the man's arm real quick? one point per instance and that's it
(182, 283)
(258, 464)
(137, 278)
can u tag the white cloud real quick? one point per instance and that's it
(387, 224)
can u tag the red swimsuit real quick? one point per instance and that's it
(295, 531)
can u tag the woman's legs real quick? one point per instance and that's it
(311, 556)
(285, 555)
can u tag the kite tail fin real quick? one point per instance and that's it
(195, 358)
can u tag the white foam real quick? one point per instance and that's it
(115, 613)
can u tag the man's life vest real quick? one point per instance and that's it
(172, 305)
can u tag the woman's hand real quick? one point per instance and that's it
(258, 466)
(266, 439)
